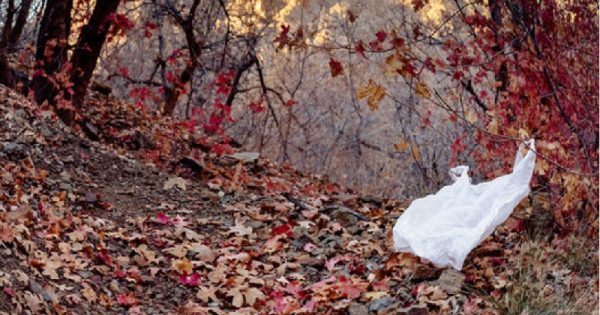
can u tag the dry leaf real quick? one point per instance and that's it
(206, 294)
(175, 181)
(373, 92)
(422, 90)
(182, 266)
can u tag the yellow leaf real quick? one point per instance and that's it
(422, 90)
(542, 167)
(374, 93)
(394, 65)
(182, 266)
(371, 296)
(523, 133)
(89, 293)
(471, 116)
(402, 145)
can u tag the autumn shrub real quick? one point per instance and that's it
(503, 73)
(540, 282)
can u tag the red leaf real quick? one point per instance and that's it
(127, 300)
(41, 208)
(360, 49)
(397, 42)
(119, 273)
(283, 38)
(310, 306)
(418, 4)
(336, 67)
(330, 264)
(162, 218)
(381, 35)
(285, 228)
(350, 289)
(105, 257)
(375, 45)
(191, 281)
(10, 292)
(294, 288)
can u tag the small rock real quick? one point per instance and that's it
(85, 274)
(14, 150)
(372, 199)
(192, 163)
(245, 157)
(357, 309)
(175, 182)
(414, 310)
(209, 195)
(65, 186)
(254, 224)
(114, 286)
(310, 261)
(91, 131)
(344, 218)
(423, 272)
(451, 281)
(37, 289)
(301, 238)
(380, 304)
(90, 197)
(130, 170)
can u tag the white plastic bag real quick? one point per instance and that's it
(443, 228)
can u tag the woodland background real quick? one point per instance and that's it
(130, 183)
(383, 97)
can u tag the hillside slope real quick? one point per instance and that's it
(92, 227)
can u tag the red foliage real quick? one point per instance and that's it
(335, 67)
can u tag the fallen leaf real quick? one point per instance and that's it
(126, 299)
(192, 280)
(237, 297)
(330, 264)
(206, 294)
(240, 229)
(182, 266)
(252, 295)
(175, 181)
(162, 218)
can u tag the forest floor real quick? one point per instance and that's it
(144, 221)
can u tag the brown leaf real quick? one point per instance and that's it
(374, 92)
(422, 90)
(335, 67)
(182, 266)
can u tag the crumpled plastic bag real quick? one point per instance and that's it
(443, 228)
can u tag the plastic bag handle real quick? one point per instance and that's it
(519, 156)
(458, 172)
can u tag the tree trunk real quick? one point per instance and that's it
(88, 48)
(10, 13)
(172, 93)
(17, 30)
(51, 49)
(495, 11)
(6, 76)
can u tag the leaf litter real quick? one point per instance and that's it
(97, 227)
